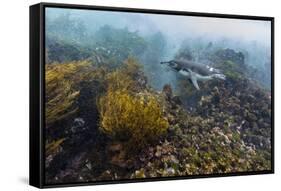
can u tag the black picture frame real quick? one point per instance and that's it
(37, 92)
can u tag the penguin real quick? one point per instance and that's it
(194, 71)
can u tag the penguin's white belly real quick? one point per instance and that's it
(184, 73)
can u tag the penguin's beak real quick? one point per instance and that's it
(164, 62)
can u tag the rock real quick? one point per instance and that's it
(140, 173)
(170, 171)
(78, 125)
(178, 131)
(118, 159)
(171, 119)
(115, 147)
(251, 117)
(158, 151)
(167, 91)
(106, 175)
(174, 159)
(89, 165)
(229, 54)
(142, 80)
(177, 100)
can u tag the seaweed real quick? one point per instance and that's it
(125, 115)
(62, 90)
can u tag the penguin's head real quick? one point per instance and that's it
(172, 64)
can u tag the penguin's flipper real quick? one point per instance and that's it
(194, 81)
(193, 78)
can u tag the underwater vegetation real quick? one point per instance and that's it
(114, 112)
(62, 89)
(136, 119)
(125, 114)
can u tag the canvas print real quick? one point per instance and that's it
(140, 95)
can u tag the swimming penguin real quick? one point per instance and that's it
(194, 71)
